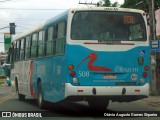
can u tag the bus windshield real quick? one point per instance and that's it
(115, 26)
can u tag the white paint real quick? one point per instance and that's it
(122, 69)
(21, 71)
(71, 90)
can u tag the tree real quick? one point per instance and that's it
(107, 3)
(140, 4)
(116, 4)
(157, 4)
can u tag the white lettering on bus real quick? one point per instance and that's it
(83, 73)
(122, 69)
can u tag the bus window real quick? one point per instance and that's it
(49, 43)
(55, 32)
(60, 43)
(136, 32)
(61, 30)
(109, 25)
(18, 50)
(55, 36)
(40, 44)
(22, 49)
(34, 46)
(27, 47)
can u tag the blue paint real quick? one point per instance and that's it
(51, 72)
(154, 47)
(122, 63)
(56, 19)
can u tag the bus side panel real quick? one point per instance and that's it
(21, 73)
(51, 72)
(26, 65)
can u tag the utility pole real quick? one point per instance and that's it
(152, 23)
(152, 20)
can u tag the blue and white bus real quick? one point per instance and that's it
(93, 54)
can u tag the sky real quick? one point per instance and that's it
(15, 11)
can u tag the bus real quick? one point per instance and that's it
(94, 54)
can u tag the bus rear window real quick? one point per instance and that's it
(118, 26)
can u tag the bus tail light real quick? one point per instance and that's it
(72, 74)
(145, 74)
(80, 90)
(137, 90)
(70, 67)
(146, 68)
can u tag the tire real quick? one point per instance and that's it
(21, 97)
(41, 102)
(16, 84)
(98, 104)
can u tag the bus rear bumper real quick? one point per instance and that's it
(123, 93)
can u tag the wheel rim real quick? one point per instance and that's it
(40, 96)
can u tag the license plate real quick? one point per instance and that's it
(109, 76)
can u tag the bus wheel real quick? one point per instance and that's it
(98, 104)
(21, 97)
(41, 102)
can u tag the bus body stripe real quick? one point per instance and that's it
(32, 91)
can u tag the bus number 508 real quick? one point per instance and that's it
(83, 73)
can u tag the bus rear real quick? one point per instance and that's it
(107, 55)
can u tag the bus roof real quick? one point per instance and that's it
(52, 20)
(108, 9)
(37, 28)
(60, 17)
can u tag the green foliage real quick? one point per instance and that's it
(157, 4)
(116, 4)
(107, 3)
(140, 4)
